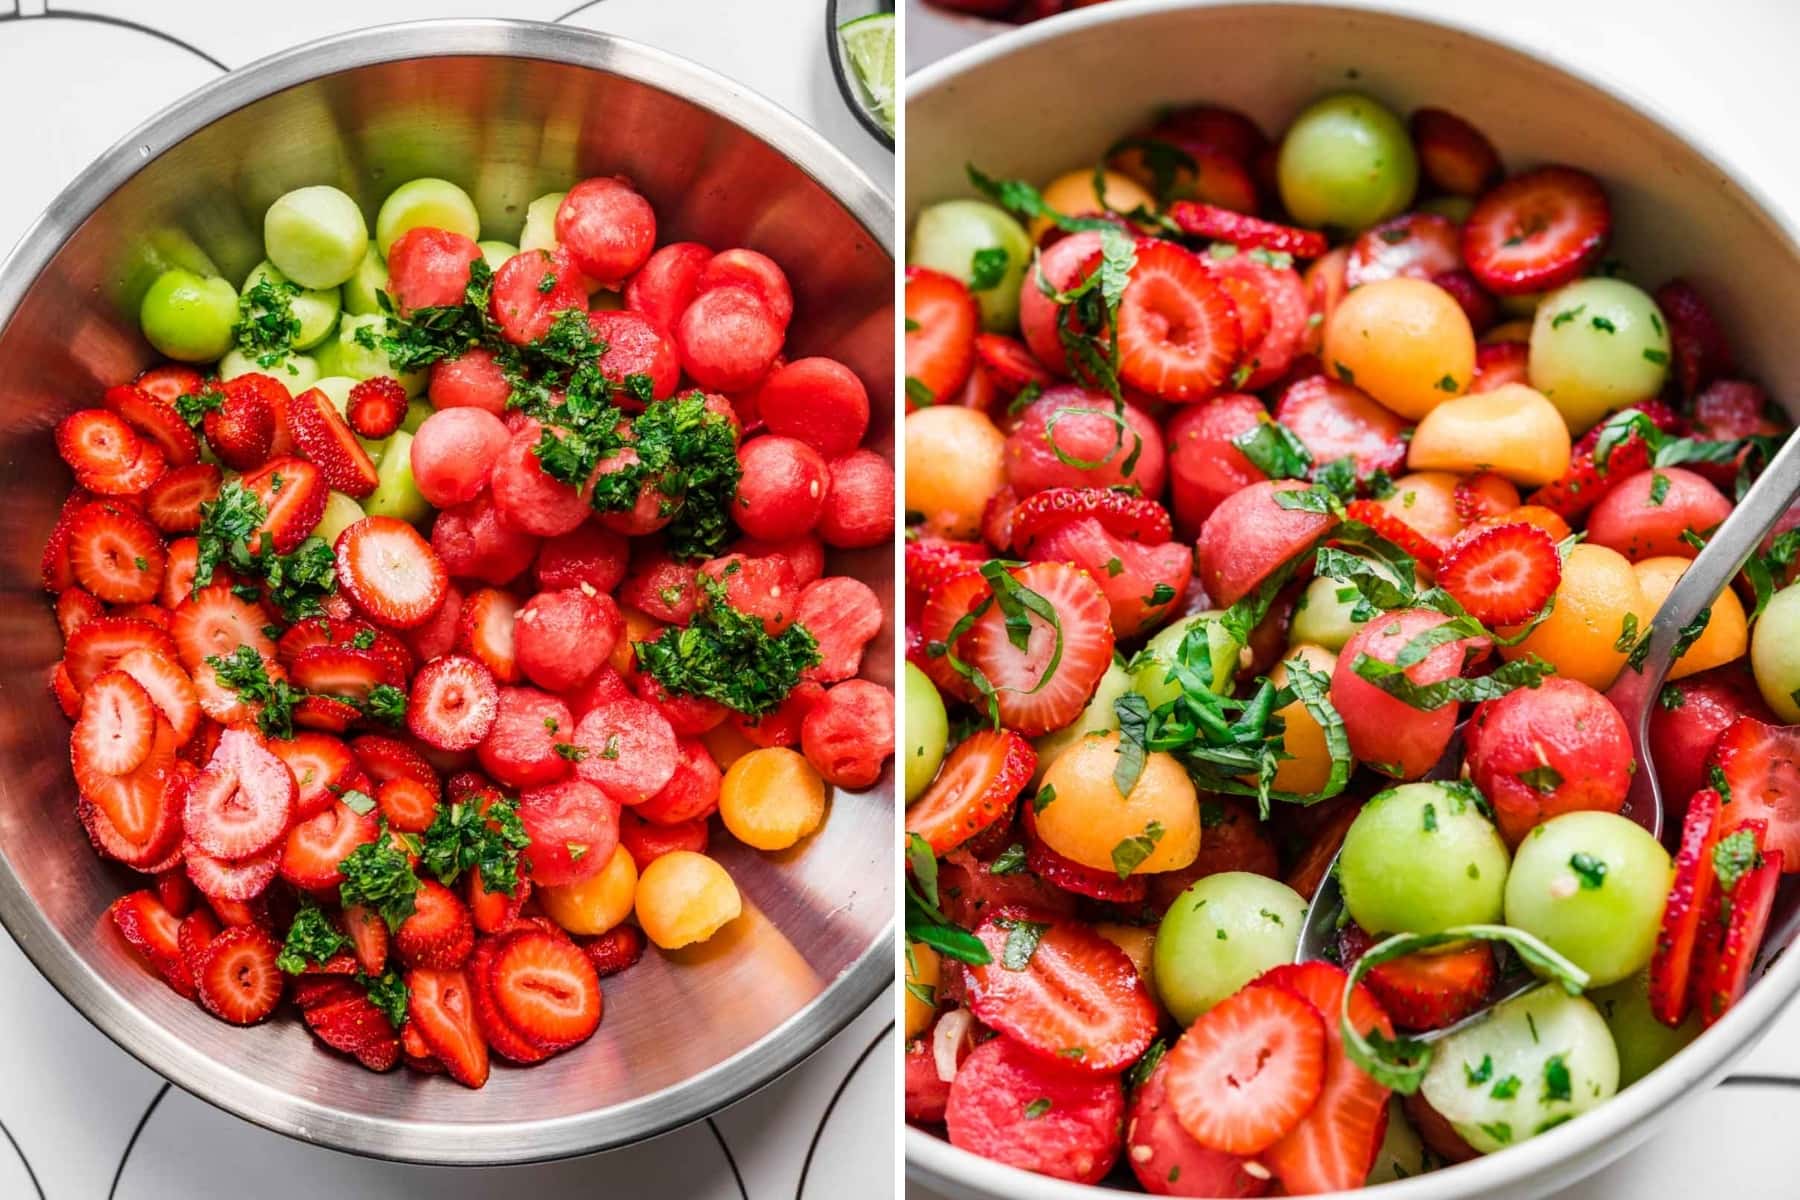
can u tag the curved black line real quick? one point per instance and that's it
(1775, 1081)
(730, 1159)
(813, 1146)
(121, 23)
(29, 1173)
(131, 1145)
(577, 9)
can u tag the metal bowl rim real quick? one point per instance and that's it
(933, 1161)
(238, 1092)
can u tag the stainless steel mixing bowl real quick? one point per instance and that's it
(508, 110)
(1055, 95)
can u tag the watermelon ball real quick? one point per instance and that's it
(562, 637)
(782, 491)
(454, 451)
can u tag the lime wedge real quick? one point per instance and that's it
(868, 44)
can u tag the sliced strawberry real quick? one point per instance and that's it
(1726, 973)
(941, 323)
(117, 727)
(1697, 343)
(353, 1025)
(1484, 494)
(1142, 583)
(315, 846)
(195, 934)
(175, 891)
(155, 934)
(1037, 691)
(1076, 999)
(1586, 481)
(453, 703)
(1252, 281)
(1481, 309)
(376, 407)
(116, 554)
(156, 419)
(485, 632)
(1454, 154)
(169, 381)
(325, 714)
(1761, 764)
(1498, 364)
(1690, 895)
(322, 767)
(1504, 575)
(1249, 1069)
(1126, 515)
(1333, 1148)
(1178, 331)
(386, 758)
(128, 485)
(236, 975)
(293, 492)
(173, 502)
(1246, 232)
(96, 442)
(215, 621)
(977, 786)
(1334, 420)
(997, 518)
(342, 671)
(1425, 991)
(439, 933)
(369, 938)
(408, 805)
(236, 879)
(328, 443)
(63, 688)
(615, 950)
(319, 631)
(1382, 520)
(241, 427)
(98, 646)
(547, 989)
(240, 804)
(1411, 246)
(495, 911)
(1536, 231)
(440, 1005)
(390, 572)
(1010, 364)
(932, 562)
(505, 1038)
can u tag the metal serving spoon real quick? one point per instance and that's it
(1711, 572)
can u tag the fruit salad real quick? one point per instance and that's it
(1280, 513)
(425, 609)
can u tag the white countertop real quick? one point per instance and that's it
(1726, 69)
(82, 1121)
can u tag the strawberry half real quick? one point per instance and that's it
(342, 671)
(1246, 232)
(1272, 341)
(329, 444)
(353, 1025)
(1010, 364)
(439, 933)
(977, 786)
(233, 879)
(241, 427)
(1425, 991)
(116, 554)
(117, 727)
(1411, 246)
(236, 975)
(1126, 515)
(485, 632)
(1076, 1000)
(1036, 690)
(1697, 343)
(1536, 231)
(1248, 1070)
(615, 950)
(293, 492)
(547, 989)
(440, 1006)
(1178, 331)
(376, 407)
(1761, 763)
(1333, 1148)
(1503, 574)
(408, 805)
(941, 323)
(390, 572)
(932, 562)
(1690, 895)
(1586, 481)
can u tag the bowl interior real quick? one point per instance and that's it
(508, 112)
(1049, 99)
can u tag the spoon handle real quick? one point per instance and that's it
(1713, 569)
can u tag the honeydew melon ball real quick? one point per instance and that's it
(496, 253)
(371, 277)
(425, 204)
(297, 372)
(540, 222)
(395, 494)
(1221, 933)
(315, 308)
(189, 317)
(316, 236)
(1597, 345)
(1348, 162)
